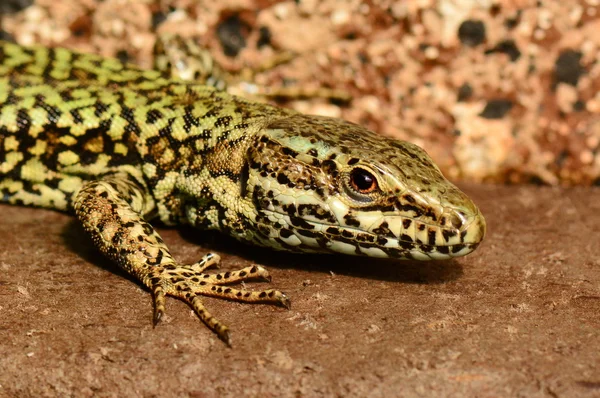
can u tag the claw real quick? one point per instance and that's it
(225, 337)
(159, 304)
(188, 283)
(285, 301)
(157, 316)
(262, 273)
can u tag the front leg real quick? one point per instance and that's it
(111, 210)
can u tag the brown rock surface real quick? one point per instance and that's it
(519, 317)
(493, 90)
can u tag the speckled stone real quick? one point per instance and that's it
(430, 68)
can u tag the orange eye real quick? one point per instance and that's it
(363, 181)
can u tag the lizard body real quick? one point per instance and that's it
(119, 146)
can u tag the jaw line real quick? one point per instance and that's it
(353, 229)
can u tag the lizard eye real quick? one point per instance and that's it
(362, 181)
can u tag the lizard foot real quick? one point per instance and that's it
(189, 282)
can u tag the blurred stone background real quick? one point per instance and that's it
(495, 91)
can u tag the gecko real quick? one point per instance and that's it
(119, 146)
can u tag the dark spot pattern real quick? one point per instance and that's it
(471, 32)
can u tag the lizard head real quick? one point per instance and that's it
(325, 185)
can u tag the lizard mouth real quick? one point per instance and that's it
(434, 243)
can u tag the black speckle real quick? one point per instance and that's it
(507, 47)
(495, 9)
(116, 239)
(561, 158)
(347, 234)
(351, 221)
(153, 116)
(448, 233)
(5, 36)
(350, 36)
(285, 233)
(443, 249)
(431, 237)
(406, 238)
(306, 233)
(457, 248)
(282, 179)
(158, 18)
(333, 230)
(363, 58)
(567, 68)
(123, 56)
(300, 223)
(471, 32)
(290, 209)
(579, 106)
(14, 6)
(223, 121)
(264, 38)
(512, 22)
(231, 35)
(464, 92)
(409, 198)
(329, 167)
(496, 109)
(289, 152)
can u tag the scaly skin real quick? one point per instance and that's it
(119, 146)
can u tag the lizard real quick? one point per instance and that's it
(120, 146)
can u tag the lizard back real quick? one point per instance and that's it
(67, 117)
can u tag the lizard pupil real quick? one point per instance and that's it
(362, 181)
